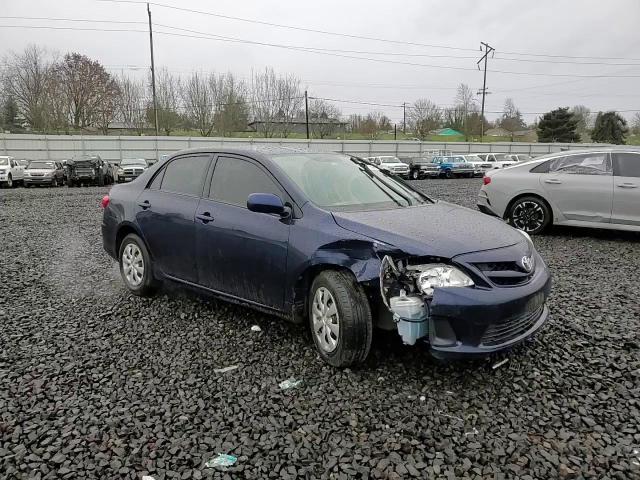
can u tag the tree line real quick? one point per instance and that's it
(73, 93)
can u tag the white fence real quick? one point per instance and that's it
(59, 147)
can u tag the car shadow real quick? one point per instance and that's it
(594, 233)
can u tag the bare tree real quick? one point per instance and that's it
(371, 125)
(264, 107)
(424, 116)
(26, 79)
(132, 103)
(635, 124)
(90, 91)
(276, 102)
(201, 99)
(511, 119)
(325, 118)
(585, 120)
(233, 114)
(289, 100)
(168, 88)
(465, 99)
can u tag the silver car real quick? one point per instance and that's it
(582, 188)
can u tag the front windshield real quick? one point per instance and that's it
(134, 161)
(473, 158)
(390, 159)
(42, 165)
(340, 183)
(4, 161)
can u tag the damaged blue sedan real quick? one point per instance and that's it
(329, 240)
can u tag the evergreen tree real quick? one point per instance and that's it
(9, 113)
(558, 126)
(610, 127)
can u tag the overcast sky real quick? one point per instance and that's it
(543, 27)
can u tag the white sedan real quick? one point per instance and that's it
(582, 188)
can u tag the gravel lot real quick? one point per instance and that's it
(95, 383)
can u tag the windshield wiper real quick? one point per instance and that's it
(365, 167)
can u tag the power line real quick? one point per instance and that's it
(310, 50)
(57, 19)
(292, 27)
(347, 35)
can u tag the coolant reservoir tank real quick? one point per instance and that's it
(410, 313)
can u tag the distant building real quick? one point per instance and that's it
(497, 132)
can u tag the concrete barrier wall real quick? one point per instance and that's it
(59, 147)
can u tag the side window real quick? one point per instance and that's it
(626, 164)
(542, 168)
(234, 180)
(185, 175)
(157, 180)
(584, 164)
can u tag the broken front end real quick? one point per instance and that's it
(471, 306)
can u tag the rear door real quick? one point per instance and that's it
(581, 186)
(166, 212)
(626, 189)
(242, 253)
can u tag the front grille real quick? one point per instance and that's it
(505, 274)
(513, 327)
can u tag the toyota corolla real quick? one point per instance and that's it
(329, 240)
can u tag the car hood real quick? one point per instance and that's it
(440, 229)
(399, 164)
(39, 170)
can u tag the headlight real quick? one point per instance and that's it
(26, 174)
(526, 235)
(442, 276)
(49, 174)
(120, 171)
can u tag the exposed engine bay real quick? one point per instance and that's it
(407, 289)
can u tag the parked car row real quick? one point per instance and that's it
(81, 170)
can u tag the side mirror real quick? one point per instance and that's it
(266, 203)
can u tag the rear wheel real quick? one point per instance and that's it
(529, 214)
(448, 174)
(135, 266)
(340, 318)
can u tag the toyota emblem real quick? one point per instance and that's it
(527, 264)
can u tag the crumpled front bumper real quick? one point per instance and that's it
(465, 322)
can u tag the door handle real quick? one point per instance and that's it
(204, 217)
(627, 185)
(553, 181)
(145, 204)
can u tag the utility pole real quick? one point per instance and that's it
(306, 111)
(404, 118)
(487, 50)
(395, 131)
(153, 72)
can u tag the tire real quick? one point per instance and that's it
(54, 182)
(132, 255)
(352, 318)
(100, 180)
(415, 175)
(448, 174)
(530, 214)
(70, 183)
(9, 182)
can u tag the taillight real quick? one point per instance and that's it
(486, 180)
(105, 201)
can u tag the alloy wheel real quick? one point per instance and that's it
(9, 182)
(133, 265)
(326, 321)
(528, 216)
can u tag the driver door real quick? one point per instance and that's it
(581, 186)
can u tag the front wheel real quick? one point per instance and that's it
(9, 182)
(529, 214)
(340, 318)
(135, 266)
(448, 174)
(415, 174)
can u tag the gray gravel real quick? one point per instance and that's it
(95, 383)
